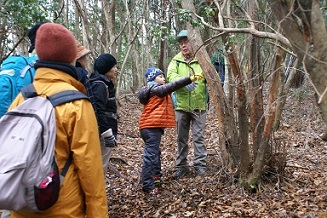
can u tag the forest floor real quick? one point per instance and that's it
(300, 191)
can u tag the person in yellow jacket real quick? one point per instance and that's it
(82, 193)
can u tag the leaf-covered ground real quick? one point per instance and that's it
(300, 192)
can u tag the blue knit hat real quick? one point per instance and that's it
(151, 73)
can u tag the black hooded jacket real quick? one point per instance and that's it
(104, 102)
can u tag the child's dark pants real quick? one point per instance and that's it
(151, 164)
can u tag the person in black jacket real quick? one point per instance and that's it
(104, 102)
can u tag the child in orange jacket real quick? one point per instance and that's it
(158, 114)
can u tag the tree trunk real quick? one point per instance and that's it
(131, 37)
(228, 87)
(254, 87)
(86, 32)
(238, 140)
(225, 116)
(304, 26)
(260, 160)
(285, 82)
(161, 64)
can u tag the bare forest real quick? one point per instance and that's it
(266, 126)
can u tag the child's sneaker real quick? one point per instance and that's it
(152, 192)
(156, 180)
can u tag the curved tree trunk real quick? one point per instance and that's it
(304, 26)
(228, 134)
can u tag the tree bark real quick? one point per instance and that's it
(107, 37)
(260, 160)
(131, 34)
(86, 33)
(228, 134)
(255, 85)
(238, 140)
(284, 88)
(162, 46)
(304, 26)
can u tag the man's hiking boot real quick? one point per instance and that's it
(200, 171)
(180, 173)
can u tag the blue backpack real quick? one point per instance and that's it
(16, 72)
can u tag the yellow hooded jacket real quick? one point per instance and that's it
(82, 193)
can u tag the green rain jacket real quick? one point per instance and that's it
(188, 100)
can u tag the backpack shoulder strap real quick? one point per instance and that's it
(178, 62)
(28, 91)
(56, 99)
(103, 83)
(66, 96)
(61, 98)
(67, 165)
(26, 68)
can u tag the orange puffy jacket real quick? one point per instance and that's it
(158, 111)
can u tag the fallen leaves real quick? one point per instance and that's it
(300, 192)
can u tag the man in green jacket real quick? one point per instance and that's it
(190, 105)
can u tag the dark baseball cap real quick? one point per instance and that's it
(32, 35)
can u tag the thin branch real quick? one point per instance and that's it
(13, 49)
(322, 95)
(276, 36)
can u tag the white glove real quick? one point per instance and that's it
(110, 141)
